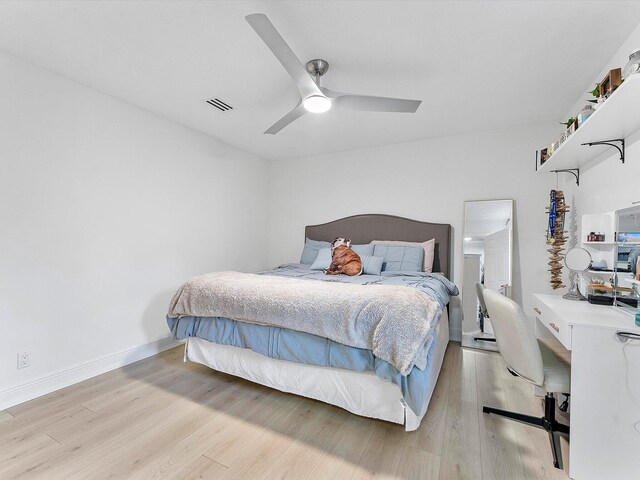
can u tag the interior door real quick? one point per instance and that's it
(497, 258)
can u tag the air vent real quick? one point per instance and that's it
(219, 104)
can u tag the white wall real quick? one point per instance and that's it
(104, 210)
(426, 180)
(606, 184)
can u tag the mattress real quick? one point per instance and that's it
(293, 346)
(296, 346)
(359, 392)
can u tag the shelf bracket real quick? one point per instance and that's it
(573, 171)
(620, 148)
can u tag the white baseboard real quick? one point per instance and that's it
(64, 378)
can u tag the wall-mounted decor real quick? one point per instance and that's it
(556, 236)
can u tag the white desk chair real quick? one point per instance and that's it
(531, 360)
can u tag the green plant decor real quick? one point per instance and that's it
(569, 122)
(596, 93)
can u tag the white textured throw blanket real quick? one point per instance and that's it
(394, 322)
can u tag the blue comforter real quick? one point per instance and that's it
(300, 347)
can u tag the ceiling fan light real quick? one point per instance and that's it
(317, 104)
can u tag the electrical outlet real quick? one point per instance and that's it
(24, 360)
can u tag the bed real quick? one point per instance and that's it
(317, 366)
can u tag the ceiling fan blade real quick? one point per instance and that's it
(290, 117)
(269, 35)
(368, 103)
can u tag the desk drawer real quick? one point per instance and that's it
(556, 325)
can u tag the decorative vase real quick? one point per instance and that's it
(633, 66)
(584, 114)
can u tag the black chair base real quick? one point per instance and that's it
(548, 423)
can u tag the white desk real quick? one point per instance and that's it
(604, 441)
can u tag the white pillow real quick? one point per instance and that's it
(428, 247)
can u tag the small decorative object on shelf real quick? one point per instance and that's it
(633, 66)
(556, 236)
(543, 156)
(595, 237)
(596, 93)
(571, 125)
(550, 149)
(584, 114)
(599, 265)
(610, 82)
(563, 138)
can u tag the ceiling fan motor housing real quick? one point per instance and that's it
(317, 67)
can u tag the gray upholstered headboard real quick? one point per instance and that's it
(365, 228)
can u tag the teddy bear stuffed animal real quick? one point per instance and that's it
(344, 260)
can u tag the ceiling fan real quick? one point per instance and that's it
(313, 97)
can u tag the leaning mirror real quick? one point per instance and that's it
(487, 262)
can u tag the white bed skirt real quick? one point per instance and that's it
(362, 393)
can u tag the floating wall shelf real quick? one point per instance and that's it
(613, 121)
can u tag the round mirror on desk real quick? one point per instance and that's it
(577, 260)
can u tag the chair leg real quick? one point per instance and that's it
(548, 423)
(518, 417)
(554, 438)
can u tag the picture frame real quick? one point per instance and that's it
(610, 82)
(563, 138)
(544, 156)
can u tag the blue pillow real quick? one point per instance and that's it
(311, 249)
(371, 265)
(363, 249)
(323, 260)
(399, 258)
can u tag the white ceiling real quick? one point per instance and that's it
(476, 65)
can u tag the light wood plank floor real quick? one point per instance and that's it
(161, 418)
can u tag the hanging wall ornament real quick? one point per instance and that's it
(556, 236)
